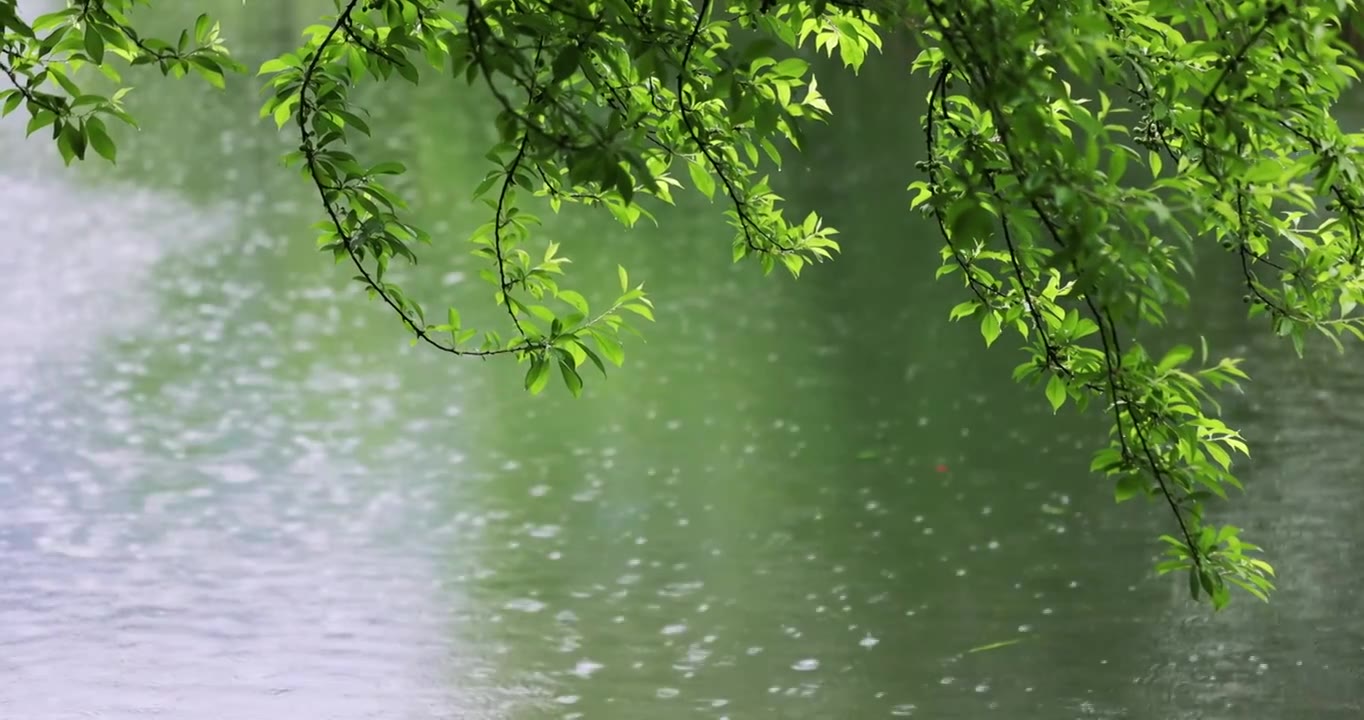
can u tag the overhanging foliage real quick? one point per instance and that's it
(1080, 151)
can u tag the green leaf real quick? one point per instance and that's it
(701, 179)
(1267, 170)
(1219, 455)
(388, 168)
(71, 142)
(1106, 459)
(965, 309)
(538, 374)
(352, 120)
(610, 348)
(94, 45)
(572, 380)
(971, 221)
(575, 300)
(641, 310)
(407, 70)
(13, 101)
(568, 344)
(53, 19)
(282, 113)
(1177, 356)
(791, 68)
(1056, 392)
(1208, 581)
(99, 139)
(1220, 596)
(1128, 487)
(40, 120)
(624, 278)
(593, 357)
(566, 63)
(279, 64)
(989, 327)
(209, 70)
(202, 25)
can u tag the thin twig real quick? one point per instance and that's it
(305, 110)
(746, 223)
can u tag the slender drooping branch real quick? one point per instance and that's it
(306, 108)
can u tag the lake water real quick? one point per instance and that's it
(230, 489)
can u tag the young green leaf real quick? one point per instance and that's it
(1128, 487)
(94, 45)
(965, 309)
(989, 327)
(572, 380)
(202, 25)
(1177, 356)
(99, 139)
(610, 348)
(538, 373)
(1056, 392)
(701, 178)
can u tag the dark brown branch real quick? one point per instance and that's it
(934, 96)
(1111, 348)
(746, 223)
(305, 110)
(499, 222)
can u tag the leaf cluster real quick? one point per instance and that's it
(1080, 153)
(43, 61)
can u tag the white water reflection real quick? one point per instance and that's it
(77, 263)
(194, 625)
(148, 562)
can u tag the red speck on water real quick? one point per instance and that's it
(941, 468)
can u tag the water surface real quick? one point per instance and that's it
(229, 489)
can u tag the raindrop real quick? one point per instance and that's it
(585, 668)
(528, 605)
